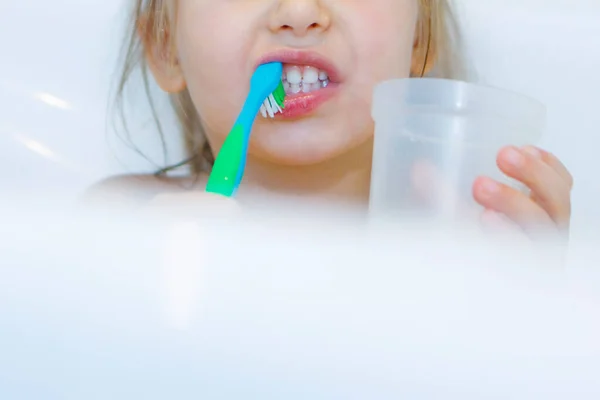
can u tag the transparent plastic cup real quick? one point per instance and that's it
(434, 137)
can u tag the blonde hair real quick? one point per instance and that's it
(438, 42)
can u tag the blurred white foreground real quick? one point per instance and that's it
(104, 306)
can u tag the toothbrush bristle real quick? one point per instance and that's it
(274, 104)
(279, 95)
(271, 106)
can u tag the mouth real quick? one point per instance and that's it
(309, 79)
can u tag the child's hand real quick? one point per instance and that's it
(547, 210)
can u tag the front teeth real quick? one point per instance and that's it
(311, 75)
(293, 75)
(297, 79)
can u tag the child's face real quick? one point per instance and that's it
(357, 43)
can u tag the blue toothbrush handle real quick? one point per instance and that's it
(246, 122)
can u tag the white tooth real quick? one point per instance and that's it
(295, 88)
(323, 76)
(294, 75)
(287, 86)
(324, 84)
(311, 75)
(306, 87)
(315, 86)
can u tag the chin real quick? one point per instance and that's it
(306, 142)
(301, 156)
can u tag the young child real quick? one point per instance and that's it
(203, 52)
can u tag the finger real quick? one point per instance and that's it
(430, 185)
(494, 222)
(548, 187)
(553, 162)
(437, 192)
(499, 228)
(517, 206)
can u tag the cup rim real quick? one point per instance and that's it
(516, 108)
(467, 84)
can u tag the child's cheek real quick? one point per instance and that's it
(383, 36)
(385, 39)
(214, 62)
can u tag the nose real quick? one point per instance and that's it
(300, 17)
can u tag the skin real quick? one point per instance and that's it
(328, 153)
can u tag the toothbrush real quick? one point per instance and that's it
(266, 96)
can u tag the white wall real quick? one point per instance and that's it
(69, 142)
(544, 48)
(548, 49)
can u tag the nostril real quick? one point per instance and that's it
(313, 26)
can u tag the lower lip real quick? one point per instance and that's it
(302, 104)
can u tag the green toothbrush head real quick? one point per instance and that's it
(279, 95)
(275, 103)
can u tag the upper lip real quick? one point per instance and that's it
(308, 58)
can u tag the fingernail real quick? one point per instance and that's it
(514, 157)
(490, 187)
(532, 151)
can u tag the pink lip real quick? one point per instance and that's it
(302, 104)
